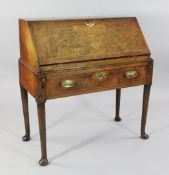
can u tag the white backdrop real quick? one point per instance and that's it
(72, 150)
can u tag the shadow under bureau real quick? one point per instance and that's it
(60, 58)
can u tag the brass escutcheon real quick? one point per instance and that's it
(101, 75)
(68, 83)
(90, 24)
(131, 74)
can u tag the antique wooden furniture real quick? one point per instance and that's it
(60, 58)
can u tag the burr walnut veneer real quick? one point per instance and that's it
(60, 58)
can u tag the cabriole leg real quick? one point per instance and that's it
(42, 130)
(24, 97)
(118, 96)
(146, 95)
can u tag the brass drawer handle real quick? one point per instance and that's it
(101, 75)
(131, 74)
(68, 83)
(90, 24)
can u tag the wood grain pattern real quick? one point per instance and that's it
(92, 64)
(24, 96)
(118, 98)
(146, 95)
(86, 80)
(42, 130)
(27, 50)
(28, 78)
(67, 41)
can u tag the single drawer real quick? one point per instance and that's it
(66, 83)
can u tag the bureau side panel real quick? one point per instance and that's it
(27, 51)
(28, 79)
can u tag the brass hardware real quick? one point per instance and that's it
(101, 75)
(68, 83)
(90, 24)
(131, 74)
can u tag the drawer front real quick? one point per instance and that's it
(67, 83)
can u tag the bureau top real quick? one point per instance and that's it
(45, 42)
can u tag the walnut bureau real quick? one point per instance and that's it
(60, 58)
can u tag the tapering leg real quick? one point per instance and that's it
(42, 130)
(118, 95)
(146, 95)
(24, 97)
